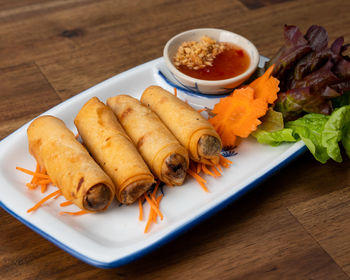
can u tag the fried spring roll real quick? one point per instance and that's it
(192, 130)
(166, 157)
(113, 150)
(69, 165)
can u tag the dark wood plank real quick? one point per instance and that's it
(25, 93)
(108, 50)
(31, 31)
(327, 219)
(256, 4)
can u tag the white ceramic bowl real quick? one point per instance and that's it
(205, 86)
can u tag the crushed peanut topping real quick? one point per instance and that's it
(197, 55)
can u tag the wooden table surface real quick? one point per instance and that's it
(295, 225)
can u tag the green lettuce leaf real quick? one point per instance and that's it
(320, 133)
(272, 121)
(309, 128)
(334, 131)
(274, 138)
(346, 139)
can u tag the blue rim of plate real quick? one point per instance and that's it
(169, 237)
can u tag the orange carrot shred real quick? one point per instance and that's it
(43, 188)
(154, 217)
(219, 167)
(57, 196)
(39, 175)
(154, 207)
(76, 136)
(37, 170)
(199, 179)
(150, 217)
(201, 110)
(140, 209)
(156, 188)
(81, 212)
(222, 158)
(31, 186)
(154, 200)
(216, 172)
(198, 168)
(204, 187)
(66, 203)
(36, 206)
(207, 171)
(44, 181)
(175, 91)
(196, 176)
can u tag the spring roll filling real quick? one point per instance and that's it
(208, 146)
(134, 191)
(174, 168)
(97, 197)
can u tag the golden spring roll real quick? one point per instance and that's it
(192, 130)
(108, 143)
(69, 165)
(166, 157)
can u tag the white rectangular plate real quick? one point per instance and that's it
(115, 237)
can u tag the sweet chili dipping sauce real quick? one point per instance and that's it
(231, 62)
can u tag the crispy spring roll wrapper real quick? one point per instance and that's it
(69, 165)
(193, 131)
(113, 150)
(166, 157)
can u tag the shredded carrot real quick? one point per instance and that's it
(223, 159)
(37, 174)
(43, 188)
(36, 206)
(154, 200)
(140, 209)
(196, 176)
(201, 110)
(154, 207)
(66, 203)
(199, 179)
(156, 187)
(81, 212)
(31, 186)
(198, 168)
(57, 196)
(150, 218)
(224, 164)
(204, 187)
(207, 171)
(44, 181)
(175, 91)
(219, 167)
(216, 172)
(76, 136)
(37, 170)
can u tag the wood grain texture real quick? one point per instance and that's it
(327, 219)
(295, 225)
(25, 93)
